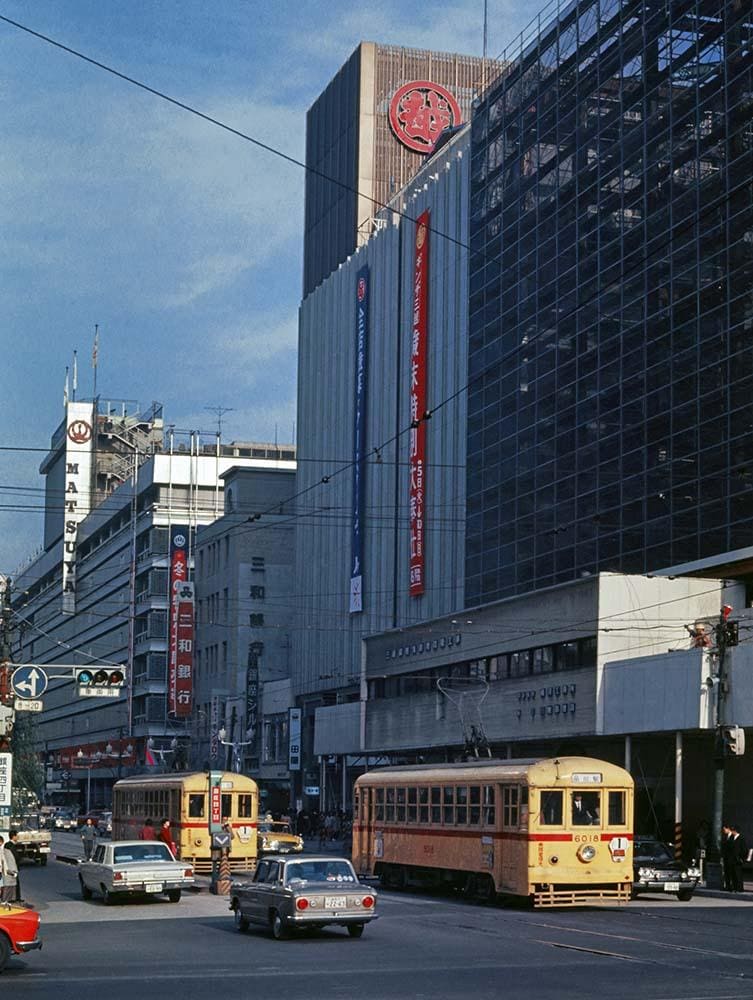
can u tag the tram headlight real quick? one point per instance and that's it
(587, 852)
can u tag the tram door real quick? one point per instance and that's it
(363, 852)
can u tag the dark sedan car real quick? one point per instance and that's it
(656, 870)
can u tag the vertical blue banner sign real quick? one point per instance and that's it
(359, 438)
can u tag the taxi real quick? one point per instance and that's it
(19, 931)
(275, 837)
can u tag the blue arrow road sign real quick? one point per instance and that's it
(28, 682)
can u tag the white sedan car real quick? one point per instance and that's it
(133, 867)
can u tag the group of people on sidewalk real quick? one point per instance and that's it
(10, 882)
(734, 853)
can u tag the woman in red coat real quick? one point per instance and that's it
(166, 837)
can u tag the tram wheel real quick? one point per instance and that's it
(485, 887)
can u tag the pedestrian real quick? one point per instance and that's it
(147, 831)
(10, 874)
(2, 868)
(166, 837)
(725, 852)
(738, 852)
(699, 637)
(88, 837)
(13, 847)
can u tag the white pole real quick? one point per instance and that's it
(678, 795)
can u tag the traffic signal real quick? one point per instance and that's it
(733, 741)
(731, 633)
(103, 681)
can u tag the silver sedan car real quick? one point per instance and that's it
(289, 894)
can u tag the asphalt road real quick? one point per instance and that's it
(423, 946)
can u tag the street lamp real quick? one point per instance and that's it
(236, 745)
(82, 760)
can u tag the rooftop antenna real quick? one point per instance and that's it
(95, 356)
(220, 411)
(74, 384)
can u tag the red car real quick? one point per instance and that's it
(19, 928)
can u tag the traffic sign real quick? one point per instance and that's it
(221, 840)
(27, 705)
(90, 692)
(28, 682)
(66, 775)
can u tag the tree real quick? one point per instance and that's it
(28, 773)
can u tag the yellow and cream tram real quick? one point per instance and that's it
(184, 800)
(558, 831)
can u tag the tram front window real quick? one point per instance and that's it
(585, 808)
(551, 808)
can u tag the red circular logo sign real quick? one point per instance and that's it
(361, 289)
(420, 111)
(79, 431)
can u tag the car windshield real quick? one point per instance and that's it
(267, 827)
(141, 852)
(319, 871)
(651, 849)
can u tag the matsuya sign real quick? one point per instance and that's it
(420, 111)
(79, 421)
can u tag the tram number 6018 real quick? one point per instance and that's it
(586, 838)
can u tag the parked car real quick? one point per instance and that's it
(655, 869)
(19, 932)
(289, 894)
(277, 838)
(133, 867)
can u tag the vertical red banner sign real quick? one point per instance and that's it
(417, 397)
(181, 627)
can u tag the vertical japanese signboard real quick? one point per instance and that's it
(359, 438)
(79, 442)
(215, 801)
(417, 398)
(214, 728)
(180, 627)
(6, 785)
(252, 694)
(294, 739)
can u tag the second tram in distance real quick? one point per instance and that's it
(557, 831)
(183, 798)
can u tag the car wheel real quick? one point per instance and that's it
(4, 951)
(355, 930)
(241, 922)
(173, 895)
(86, 892)
(685, 895)
(43, 860)
(279, 930)
(107, 897)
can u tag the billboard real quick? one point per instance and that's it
(79, 444)
(359, 439)
(420, 111)
(417, 396)
(180, 627)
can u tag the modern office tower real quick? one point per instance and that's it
(611, 374)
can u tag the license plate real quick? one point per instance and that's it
(153, 887)
(671, 886)
(335, 902)
(44, 850)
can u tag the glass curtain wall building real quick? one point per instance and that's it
(611, 311)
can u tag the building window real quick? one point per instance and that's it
(256, 621)
(257, 593)
(257, 564)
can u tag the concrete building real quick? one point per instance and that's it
(601, 666)
(369, 133)
(98, 594)
(244, 625)
(354, 530)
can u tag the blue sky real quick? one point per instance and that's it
(181, 241)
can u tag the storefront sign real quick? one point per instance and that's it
(417, 398)
(294, 739)
(181, 627)
(359, 439)
(6, 784)
(78, 490)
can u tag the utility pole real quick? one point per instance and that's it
(6, 667)
(726, 636)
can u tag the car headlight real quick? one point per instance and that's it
(274, 845)
(587, 852)
(694, 872)
(645, 873)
